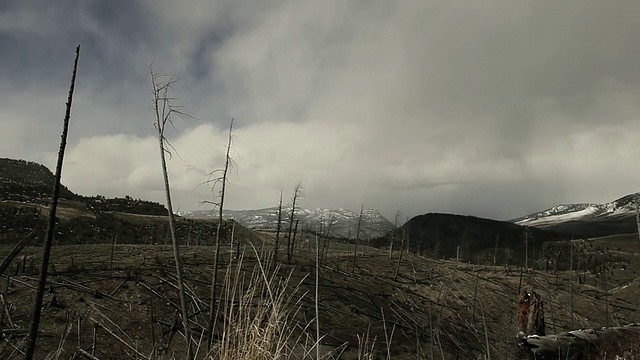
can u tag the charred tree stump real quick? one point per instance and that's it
(584, 344)
(530, 314)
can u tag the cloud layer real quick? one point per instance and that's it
(494, 108)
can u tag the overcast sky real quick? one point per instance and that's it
(494, 108)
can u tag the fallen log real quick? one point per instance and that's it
(583, 344)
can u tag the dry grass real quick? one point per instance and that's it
(257, 310)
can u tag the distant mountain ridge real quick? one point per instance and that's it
(341, 223)
(587, 219)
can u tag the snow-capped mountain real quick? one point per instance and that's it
(338, 223)
(619, 209)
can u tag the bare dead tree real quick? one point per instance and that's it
(571, 284)
(355, 250)
(638, 217)
(606, 297)
(495, 252)
(317, 298)
(402, 245)
(327, 239)
(221, 180)
(164, 110)
(278, 228)
(393, 235)
(297, 194)
(331, 221)
(293, 238)
(526, 248)
(46, 253)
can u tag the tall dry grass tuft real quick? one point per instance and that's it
(366, 346)
(257, 313)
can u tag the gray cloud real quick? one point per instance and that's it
(493, 108)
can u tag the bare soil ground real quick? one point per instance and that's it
(123, 305)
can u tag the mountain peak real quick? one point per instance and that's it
(339, 223)
(616, 210)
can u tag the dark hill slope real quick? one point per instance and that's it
(27, 181)
(76, 225)
(592, 228)
(474, 239)
(30, 182)
(25, 190)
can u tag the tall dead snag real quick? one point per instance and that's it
(570, 284)
(355, 250)
(278, 228)
(317, 298)
(327, 234)
(46, 253)
(164, 111)
(222, 180)
(526, 248)
(402, 245)
(393, 235)
(638, 217)
(495, 251)
(297, 194)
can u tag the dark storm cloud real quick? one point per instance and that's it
(493, 108)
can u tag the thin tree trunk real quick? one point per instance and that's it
(571, 286)
(638, 218)
(213, 315)
(526, 248)
(495, 252)
(293, 238)
(176, 250)
(402, 245)
(326, 242)
(113, 245)
(393, 235)
(46, 253)
(606, 295)
(163, 115)
(355, 250)
(317, 298)
(296, 194)
(278, 228)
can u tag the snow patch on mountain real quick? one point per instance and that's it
(337, 223)
(622, 207)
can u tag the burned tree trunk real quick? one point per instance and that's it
(530, 314)
(46, 252)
